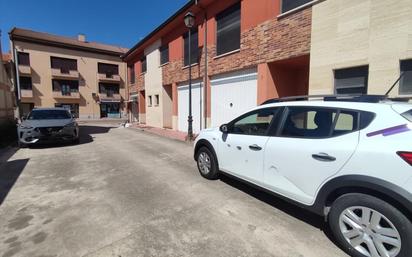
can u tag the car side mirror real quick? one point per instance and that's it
(224, 129)
(23, 117)
(73, 116)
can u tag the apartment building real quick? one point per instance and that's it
(361, 47)
(7, 98)
(53, 71)
(243, 52)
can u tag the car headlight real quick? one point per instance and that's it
(71, 124)
(25, 127)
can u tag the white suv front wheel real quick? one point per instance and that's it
(368, 227)
(207, 163)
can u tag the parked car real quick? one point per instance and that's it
(346, 158)
(48, 125)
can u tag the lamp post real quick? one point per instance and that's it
(190, 22)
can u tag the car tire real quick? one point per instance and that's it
(76, 141)
(360, 223)
(207, 163)
(21, 145)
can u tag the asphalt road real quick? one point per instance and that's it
(123, 192)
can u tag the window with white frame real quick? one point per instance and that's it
(194, 47)
(164, 54)
(228, 30)
(156, 103)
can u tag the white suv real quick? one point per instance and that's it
(348, 159)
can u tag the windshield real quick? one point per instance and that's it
(49, 115)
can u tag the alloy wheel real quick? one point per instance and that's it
(204, 163)
(369, 232)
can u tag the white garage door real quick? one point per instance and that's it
(232, 94)
(183, 106)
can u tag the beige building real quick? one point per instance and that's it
(361, 46)
(55, 71)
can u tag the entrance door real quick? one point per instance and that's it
(110, 110)
(183, 106)
(232, 94)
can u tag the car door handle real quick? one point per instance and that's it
(323, 157)
(255, 147)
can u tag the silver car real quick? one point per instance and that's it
(48, 125)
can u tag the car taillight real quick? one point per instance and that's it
(407, 156)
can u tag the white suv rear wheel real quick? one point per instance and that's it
(366, 226)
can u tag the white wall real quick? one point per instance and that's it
(153, 85)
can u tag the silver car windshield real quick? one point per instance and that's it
(49, 115)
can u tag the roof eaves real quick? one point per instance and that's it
(161, 26)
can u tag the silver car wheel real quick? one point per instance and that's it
(204, 163)
(369, 232)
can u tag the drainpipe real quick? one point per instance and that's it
(126, 90)
(17, 77)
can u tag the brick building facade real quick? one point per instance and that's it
(272, 60)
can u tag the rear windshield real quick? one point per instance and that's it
(407, 115)
(49, 115)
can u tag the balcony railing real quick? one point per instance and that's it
(106, 77)
(26, 93)
(24, 70)
(109, 97)
(66, 95)
(65, 74)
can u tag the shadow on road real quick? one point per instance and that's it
(280, 204)
(9, 173)
(86, 133)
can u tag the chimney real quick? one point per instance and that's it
(81, 37)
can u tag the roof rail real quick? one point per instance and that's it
(346, 98)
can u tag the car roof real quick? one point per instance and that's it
(340, 104)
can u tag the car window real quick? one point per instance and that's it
(48, 115)
(255, 123)
(407, 115)
(346, 122)
(315, 122)
(308, 122)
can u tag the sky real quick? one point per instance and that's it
(116, 22)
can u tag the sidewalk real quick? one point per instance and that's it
(173, 134)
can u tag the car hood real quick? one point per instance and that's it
(46, 123)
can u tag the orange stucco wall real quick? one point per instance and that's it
(266, 85)
(255, 12)
(283, 78)
(142, 102)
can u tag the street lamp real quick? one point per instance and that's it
(190, 22)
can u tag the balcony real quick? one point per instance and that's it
(66, 95)
(24, 70)
(106, 77)
(109, 97)
(65, 74)
(26, 93)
